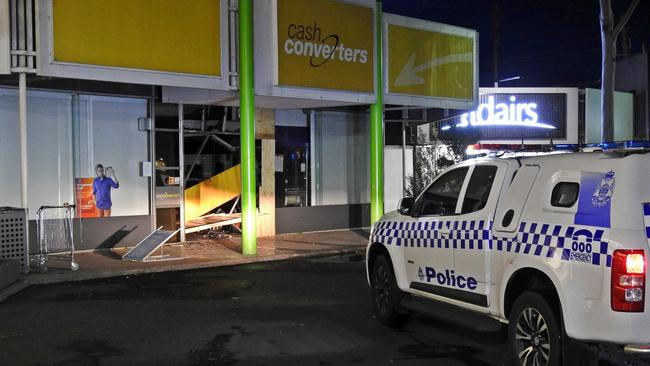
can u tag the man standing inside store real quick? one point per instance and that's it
(102, 189)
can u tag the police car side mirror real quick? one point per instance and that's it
(406, 205)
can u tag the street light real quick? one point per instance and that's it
(496, 83)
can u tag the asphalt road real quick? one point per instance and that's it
(299, 312)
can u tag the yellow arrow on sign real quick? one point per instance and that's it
(431, 63)
(409, 74)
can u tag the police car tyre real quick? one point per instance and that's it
(534, 332)
(386, 296)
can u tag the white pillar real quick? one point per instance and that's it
(181, 166)
(22, 116)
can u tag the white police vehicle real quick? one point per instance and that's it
(555, 246)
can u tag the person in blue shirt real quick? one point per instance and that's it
(102, 190)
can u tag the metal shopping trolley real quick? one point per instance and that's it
(55, 234)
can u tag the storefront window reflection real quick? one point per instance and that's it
(107, 134)
(67, 136)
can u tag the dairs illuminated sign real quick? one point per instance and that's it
(512, 113)
(325, 44)
(514, 116)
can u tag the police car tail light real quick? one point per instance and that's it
(628, 280)
(635, 263)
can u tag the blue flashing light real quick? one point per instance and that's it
(595, 145)
(612, 145)
(625, 145)
(566, 147)
(637, 144)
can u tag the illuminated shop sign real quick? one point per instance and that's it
(325, 44)
(504, 114)
(515, 116)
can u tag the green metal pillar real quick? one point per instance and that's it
(377, 126)
(247, 105)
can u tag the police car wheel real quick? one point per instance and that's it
(385, 293)
(534, 332)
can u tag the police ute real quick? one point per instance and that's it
(553, 246)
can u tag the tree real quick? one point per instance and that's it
(430, 160)
(608, 35)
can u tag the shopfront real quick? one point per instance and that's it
(156, 102)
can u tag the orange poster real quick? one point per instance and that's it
(84, 198)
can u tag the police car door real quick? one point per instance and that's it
(430, 257)
(471, 240)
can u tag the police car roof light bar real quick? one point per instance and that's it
(626, 145)
(477, 149)
(612, 146)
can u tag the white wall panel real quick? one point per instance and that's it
(9, 149)
(393, 176)
(341, 157)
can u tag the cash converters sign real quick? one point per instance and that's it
(430, 63)
(325, 44)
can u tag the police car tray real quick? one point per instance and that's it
(148, 245)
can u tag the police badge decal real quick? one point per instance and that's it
(603, 193)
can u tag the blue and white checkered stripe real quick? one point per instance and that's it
(466, 234)
(646, 219)
(547, 240)
(542, 240)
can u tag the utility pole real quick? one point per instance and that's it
(495, 42)
(608, 35)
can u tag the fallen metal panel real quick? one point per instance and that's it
(149, 245)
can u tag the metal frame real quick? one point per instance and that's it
(232, 221)
(48, 67)
(207, 135)
(44, 250)
(431, 102)
(23, 38)
(181, 174)
(152, 159)
(5, 59)
(180, 168)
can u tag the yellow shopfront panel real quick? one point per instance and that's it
(157, 35)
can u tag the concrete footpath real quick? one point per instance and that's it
(200, 251)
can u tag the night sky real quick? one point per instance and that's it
(546, 42)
